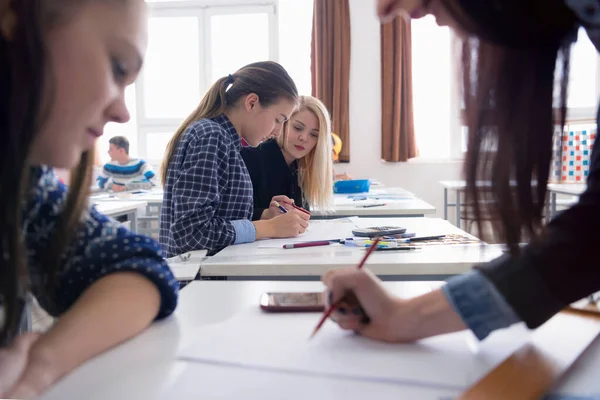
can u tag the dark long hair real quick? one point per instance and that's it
(267, 79)
(508, 65)
(24, 84)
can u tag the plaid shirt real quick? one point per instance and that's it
(208, 189)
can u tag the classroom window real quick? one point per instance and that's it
(432, 89)
(583, 90)
(295, 33)
(231, 45)
(194, 42)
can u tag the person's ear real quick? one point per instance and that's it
(8, 20)
(251, 102)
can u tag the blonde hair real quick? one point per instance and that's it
(267, 79)
(315, 170)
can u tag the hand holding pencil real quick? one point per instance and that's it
(348, 299)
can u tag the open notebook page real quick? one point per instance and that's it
(280, 342)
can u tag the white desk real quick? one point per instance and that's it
(251, 261)
(122, 208)
(569, 189)
(145, 367)
(398, 203)
(153, 198)
(458, 187)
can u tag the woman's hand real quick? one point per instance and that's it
(378, 315)
(381, 308)
(14, 361)
(274, 211)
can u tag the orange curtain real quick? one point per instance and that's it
(397, 121)
(330, 64)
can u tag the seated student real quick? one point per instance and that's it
(207, 201)
(337, 149)
(65, 66)
(125, 172)
(295, 168)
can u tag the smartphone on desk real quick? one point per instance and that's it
(293, 302)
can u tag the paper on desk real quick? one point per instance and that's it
(318, 230)
(280, 342)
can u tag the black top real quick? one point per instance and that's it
(563, 266)
(271, 176)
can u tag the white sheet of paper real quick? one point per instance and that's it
(318, 230)
(280, 342)
(210, 381)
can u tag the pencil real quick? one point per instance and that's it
(335, 305)
(283, 210)
(301, 209)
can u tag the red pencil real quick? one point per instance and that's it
(337, 303)
(300, 209)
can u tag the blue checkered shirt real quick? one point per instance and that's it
(207, 200)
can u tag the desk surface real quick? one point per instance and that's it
(405, 202)
(118, 207)
(572, 189)
(150, 196)
(253, 259)
(398, 201)
(146, 368)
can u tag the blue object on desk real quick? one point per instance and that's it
(352, 186)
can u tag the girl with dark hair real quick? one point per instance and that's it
(64, 66)
(512, 50)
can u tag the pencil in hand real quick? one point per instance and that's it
(284, 211)
(348, 297)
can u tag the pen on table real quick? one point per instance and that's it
(333, 306)
(313, 243)
(396, 248)
(423, 238)
(373, 205)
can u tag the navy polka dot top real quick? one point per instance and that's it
(100, 247)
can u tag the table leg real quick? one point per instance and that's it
(133, 218)
(458, 209)
(553, 205)
(446, 204)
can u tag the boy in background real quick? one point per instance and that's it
(123, 171)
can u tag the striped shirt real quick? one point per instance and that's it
(135, 173)
(207, 203)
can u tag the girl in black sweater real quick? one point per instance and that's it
(295, 168)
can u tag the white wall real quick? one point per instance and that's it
(420, 177)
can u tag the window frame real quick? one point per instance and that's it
(203, 10)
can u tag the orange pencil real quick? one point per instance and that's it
(337, 303)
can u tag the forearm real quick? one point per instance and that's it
(264, 229)
(112, 310)
(429, 315)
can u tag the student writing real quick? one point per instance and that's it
(297, 166)
(65, 66)
(509, 73)
(207, 189)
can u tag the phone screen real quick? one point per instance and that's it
(293, 301)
